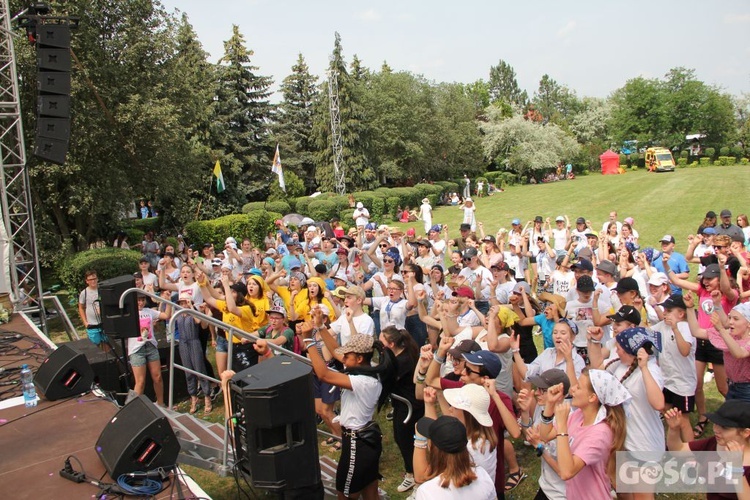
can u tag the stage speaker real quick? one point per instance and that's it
(65, 373)
(116, 322)
(137, 439)
(276, 434)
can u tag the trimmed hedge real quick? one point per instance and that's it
(704, 161)
(146, 225)
(107, 262)
(710, 152)
(322, 210)
(279, 206)
(254, 225)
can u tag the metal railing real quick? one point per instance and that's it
(231, 330)
(69, 328)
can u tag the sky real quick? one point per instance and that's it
(593, 47)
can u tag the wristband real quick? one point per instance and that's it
(421, 379)
(419, 445)
(539, 449)
(527, 426)
(417, 437)
(438, 359)
(545, 419)
(562, 434)
(421, 374)
(594, 341)
(515, 350)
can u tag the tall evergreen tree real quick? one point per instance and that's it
(359, 174)
(504, 88)
(293, 129)
(240, 132)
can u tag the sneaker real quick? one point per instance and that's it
(413, 495)
(708, 377)
(407, 484)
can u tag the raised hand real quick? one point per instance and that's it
(555, 394)
(524, 400)
(430, 395)
(689, 300)
(673, 417)
(561, 415)
(642, 356)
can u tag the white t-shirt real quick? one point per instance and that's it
(582, 314)
(482, 456)
(548, 360)
(376, 290)
(363, 323)
(361, 216)
(438, 250)
(545, 265)
(151, 279)
(480, 273)
(678, 370)
(89, 299)
(517, 264)
(483, 488)
(562, 282)
(146, 318)
(469, 318)
(464, 334)
(503, 291)
(645, 432)
(559, 237)
(194, 290)
(391, 313)
(358, 404)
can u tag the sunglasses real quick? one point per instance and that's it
(470, 371)
(467, 259)
(719, 247)
(388, 261)
(383, 246)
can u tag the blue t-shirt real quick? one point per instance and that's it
(329, 260)
(677, 263)
(547, 325)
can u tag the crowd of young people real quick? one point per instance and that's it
(452, 318)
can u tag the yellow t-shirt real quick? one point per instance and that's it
(244, 322)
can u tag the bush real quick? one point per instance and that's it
(684, 154)
(302, 206)
(255, 225)
(146, 225)
(279, 206)
(682, 161)
(710, 152)
(107, 262)
(704, 161)
(724, 161)
(744, 161)
(452, 187)
(252, 206)
(623, 159)
(724, 151)
(693, 164)
(392, 203)
(322, 210)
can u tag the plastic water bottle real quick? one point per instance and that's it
(29, 390)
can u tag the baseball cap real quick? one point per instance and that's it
(320, 268)
(360, 205)
(627, 285)
(342, 251)
(486, 359)
(271, 251)
(216, 261)
(446, 433)
(463, 291)
(591, 235)
(471, 398)
(580, 220)
(674, 301)
(138, 274)
(502, 266)
(470, 252)
(277, 309)
(560, 218)
(522, 285)
(360, 343)
(516, 222)
(339, 291)
(585, 284)
(538, 218)
(144, 259)
(583, 264)
(306, 221)
(626, 313)
(465, 227)
(463, 347)
(658, 278)
(355, 290)
(551, 378)
(734, 414)
(710, 214)
(294, 263)
(711, 271)
(708, 230)
(411, 232)
(341, 275)
(489, 237)
(725, 213)
(607, 266)
(667, 238)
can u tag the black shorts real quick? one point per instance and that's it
(532, 259)
(686, 404)
(360, 455)
(707, 353)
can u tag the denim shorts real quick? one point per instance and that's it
(221, 344)
(148, 353)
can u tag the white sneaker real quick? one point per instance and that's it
(708, 377)
(413, 495)
(407, 484)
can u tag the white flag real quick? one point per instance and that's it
(276, 169)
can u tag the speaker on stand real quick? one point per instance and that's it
(276, 436)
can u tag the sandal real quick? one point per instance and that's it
(336, 447)
(514, 479)
(193, 405)
(329, 442)
(207, 406)
(699, 428)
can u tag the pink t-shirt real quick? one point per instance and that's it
(591, 444)
(706, 307)
(738, 369)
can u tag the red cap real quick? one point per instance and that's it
(464, 291)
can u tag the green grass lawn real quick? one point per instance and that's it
(673, 203)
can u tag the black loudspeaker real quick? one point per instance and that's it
(116, 322)
(137, 439)
(276, 434)
(65, 373)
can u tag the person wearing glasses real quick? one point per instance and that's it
(379, 282)
(89, 309)
(393, 307)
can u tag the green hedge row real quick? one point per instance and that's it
(502, 179)
(107, 262)
(279, 206)
(254, 225)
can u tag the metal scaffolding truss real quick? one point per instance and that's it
(339, 171)
(18, 215)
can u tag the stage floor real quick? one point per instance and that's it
(34, 442)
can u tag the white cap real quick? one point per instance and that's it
(360, 205)
(658, 278)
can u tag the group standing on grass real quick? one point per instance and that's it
(447, 321)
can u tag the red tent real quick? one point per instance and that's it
(610, 162)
